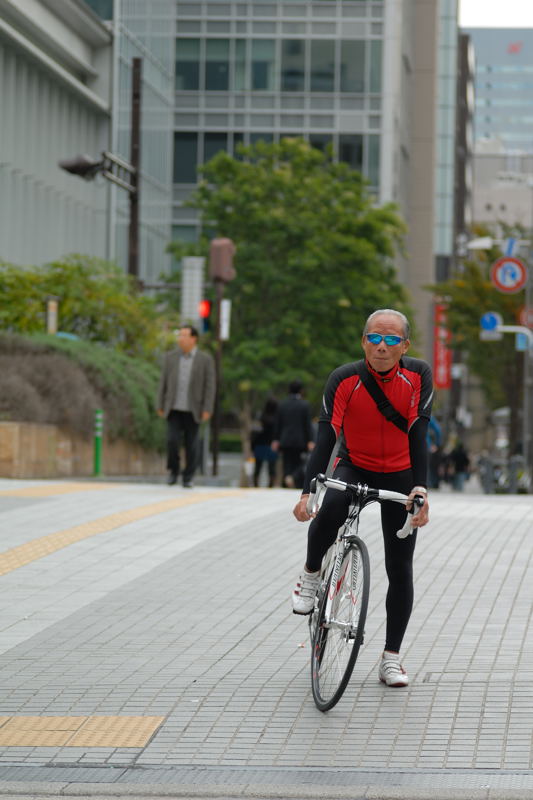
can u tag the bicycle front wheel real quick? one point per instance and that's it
(337, 640)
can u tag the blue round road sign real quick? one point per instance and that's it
(490, 320)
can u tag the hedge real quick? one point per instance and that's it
(62, 381)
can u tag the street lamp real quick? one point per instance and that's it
(115, 169)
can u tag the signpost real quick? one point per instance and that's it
(221, 270)
(490, 322)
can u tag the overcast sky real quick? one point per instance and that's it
(496, 14)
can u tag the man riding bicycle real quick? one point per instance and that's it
(378, 448)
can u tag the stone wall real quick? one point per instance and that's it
(28, 450)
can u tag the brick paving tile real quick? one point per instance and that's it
(185, 615)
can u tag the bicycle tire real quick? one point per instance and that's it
(335, 647)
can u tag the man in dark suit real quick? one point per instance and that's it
(186, 398)
(293, 434)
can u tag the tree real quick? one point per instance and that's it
(469, 294)
(314, 258)
(96, 303)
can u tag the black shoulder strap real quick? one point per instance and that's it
(384, 405)
(334, 453)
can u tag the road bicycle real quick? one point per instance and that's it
(337, 623)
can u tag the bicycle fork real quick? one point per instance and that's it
(341, 584)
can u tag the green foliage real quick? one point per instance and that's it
(62, 382)
(230, 443)
(469, 294)
(314, 258)
(97, 302)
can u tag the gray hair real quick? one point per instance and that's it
(401, 317)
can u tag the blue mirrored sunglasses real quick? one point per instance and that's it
(390, 339)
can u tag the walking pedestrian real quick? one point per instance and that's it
(293, 435)
(262, 441)
(186, 398)
(460, 462)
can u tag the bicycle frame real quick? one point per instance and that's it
(346, 536)
(362, 495)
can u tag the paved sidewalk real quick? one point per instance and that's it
(147, 648)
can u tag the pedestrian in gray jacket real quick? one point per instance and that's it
(186, 398)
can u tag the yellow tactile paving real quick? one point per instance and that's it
(54, 489)
(77, 731)
(38, 548)
(116, 732)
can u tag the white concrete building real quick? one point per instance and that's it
(55, 95)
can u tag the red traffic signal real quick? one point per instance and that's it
(204, 309)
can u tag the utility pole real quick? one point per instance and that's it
(119, 171)
(135, 160)
(221, 271)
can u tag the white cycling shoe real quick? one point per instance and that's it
(391, 671)
(303, 596)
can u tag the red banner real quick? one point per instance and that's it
(442, 355)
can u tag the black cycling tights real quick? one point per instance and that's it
(398, 552)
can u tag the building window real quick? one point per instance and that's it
(351, 150)
(320, 140)
(261, 137)
(239, 80)
(184, 233)
(376, 60)
(185, 157)
(352, 66)
(293, 65)
(187, 64)
(238, 139)
(263, 57)
(104, 8)
(217, 65)
(322, 66)
(373, 160)
(213, 144)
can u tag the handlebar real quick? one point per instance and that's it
(360, 490)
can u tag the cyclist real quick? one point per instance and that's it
(376, 452)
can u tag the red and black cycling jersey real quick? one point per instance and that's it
(370, 440)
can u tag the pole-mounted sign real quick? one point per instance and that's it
(508, 274)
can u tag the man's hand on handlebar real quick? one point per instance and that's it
(420, 517)
(300, 510)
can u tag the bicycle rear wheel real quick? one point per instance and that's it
(336, 643)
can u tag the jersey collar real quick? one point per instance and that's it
(384, 377)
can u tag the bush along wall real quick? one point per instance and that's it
(49, 379)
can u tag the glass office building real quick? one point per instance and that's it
(263, 70)
(145, 30)
(504, 86)
(376, 78)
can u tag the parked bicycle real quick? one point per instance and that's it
(337, 623)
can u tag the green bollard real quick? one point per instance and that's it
(98, 430)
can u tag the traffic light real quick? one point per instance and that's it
(204, 312)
